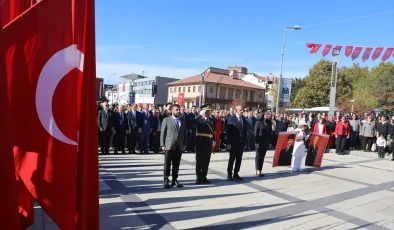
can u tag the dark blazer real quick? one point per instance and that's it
(105, 122)
(156, 124)
(134, 119)
(171, 137)
(236, 134)
(285, 156)
(262, 132)
(149, 119)
(121, 125)
(190, 120)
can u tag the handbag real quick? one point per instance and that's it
(373, 148)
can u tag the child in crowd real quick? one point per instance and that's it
(381, 144)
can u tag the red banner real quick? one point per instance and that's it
(316, 149)
(181, 97)
(387, 54)
(356, 52)
(376, 53)
(284, 149)
(367, 53)
(348, 51)
(326, 50)
(314, 47)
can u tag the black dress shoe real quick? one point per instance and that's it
(176, 183)
(206, 181)
(237, 177)
(166, 184)
(230, 178)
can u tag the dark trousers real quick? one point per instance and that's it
(132, 140)
(156, 141)
(260, 155)
(353, 139)
(104, 141)
(191, 140)
(172, 157)
(203, 157)
(341, 143)
(381, 151)
(367, 143)
(144, 139)
(119, 143)
(236, 153)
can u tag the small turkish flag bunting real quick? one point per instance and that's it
(314, 47)
(326, 50)
(367, 53)
(348, 50)
(356, 52)
(387, 54)
(377, 53)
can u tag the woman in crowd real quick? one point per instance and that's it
(320, 127)
(367, 133)
(274, 137)
(262, 135)
(355, 127)
(218, 130)
(342, 133)
(299, 148)
(330, 128)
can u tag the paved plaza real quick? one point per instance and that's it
(347, 192)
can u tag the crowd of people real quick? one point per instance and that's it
(206, 130)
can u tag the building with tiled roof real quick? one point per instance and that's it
(219, 88)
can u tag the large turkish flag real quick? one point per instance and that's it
(50, 64)
(13, 8)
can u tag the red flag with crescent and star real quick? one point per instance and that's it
(50, 66)
(356, 52)
(326, 50)
(181, 97)
(376, 53)
(8, 196)
(314, 47)
(387, 54)
(367, 53)
(348, 50)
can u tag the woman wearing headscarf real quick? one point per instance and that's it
(262, 135)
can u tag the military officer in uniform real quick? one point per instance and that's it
(204, 143)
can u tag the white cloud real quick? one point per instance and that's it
(104, 69)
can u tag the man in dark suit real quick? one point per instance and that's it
(147, 126)
(105, 121)
(287, 153)
(134, 121)
(191, 130)
(236, 140)
(250, 121)
(312, 152)
(121, 128)
(156, 131)
(173, 139)
(166, 111)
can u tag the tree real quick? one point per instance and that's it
(382, 84)
(296, 85)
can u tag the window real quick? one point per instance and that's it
(210, 89)
(260, 95)
(170, 89)
(194, 89)
(188, 89)
(174, 89)
(184, 89)
(179, 90)
(199, 89)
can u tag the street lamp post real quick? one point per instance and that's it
(281, 64)
(201, 84)
(352, 101)
(334, 79)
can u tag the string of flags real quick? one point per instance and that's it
(355, 51)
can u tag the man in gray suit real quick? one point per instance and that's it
(173, 140)
(105, 122)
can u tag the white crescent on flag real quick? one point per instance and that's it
(54, 70)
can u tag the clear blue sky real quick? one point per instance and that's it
(181, 38)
